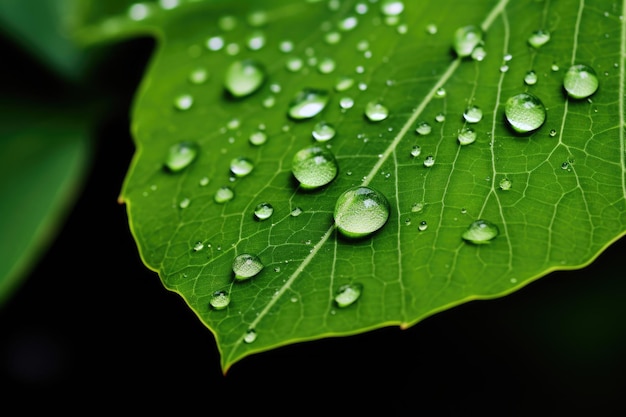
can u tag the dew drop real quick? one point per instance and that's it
(198, 76)
(423, 128)
(440, 117)
(314, 167)
(525, 112)
(246, 266)
(294, 64)
(220, 300)
(326, 65)
(180, 156)
(183, 102)
(203, 181)
(580, 81)
(466, 38)
(348, 23)
(263, 211)
(480, 232)
(332, 37)
(244, 77)
(343, 83)
(223, 195)
(431, 28)
(417, 207)
(473, 114)
(552, 132)
(375, 111)
(296, 212)
(479, 53)
(422, 226)
(530, 78)
(256, 41)
(348, 294)
(416, 150)
(184, 203)
(391, 7)
(466, 136)
(241, 166)
(440, 93)
(250, 336)
(346, 103)
(258, 138)
(215, 43)
(429, 161)
(538, 38)
(308, 103)
(361, 211)
(505, 184)
(323, 132)
(198, 246)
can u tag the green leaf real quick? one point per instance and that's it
(561, 203)
(43, 155)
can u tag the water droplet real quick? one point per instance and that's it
(203, 181)
(198, 76)
(431, 28)
(215, 43)
(256, 41)
(375, 111)
(466, 136)
(530, 78)
(480, 232)
(296, 212)
(429, 161)
(250, 336)
(552, 132)
(198, 246)
(415, 151)
(138, 11)
(241, 166)
(180, 156)
(344, 83)
(332, 37)
(219, 300)
(294, 64)
(246, 266)
(326, 65)
(263, 211)
(323, 132)
(440, 93)
(473, 114)
(538, 38)
(361, 211)
(244, 77)
(580, 81)
(257, 18)
(223, 195)
(417, 207)
(348, 23)
(525, 112)
(258, 138)
(391, 7)
(505, 184)
(504, 68)
(422, 226)
(314, 167)
(183, 102)
(346, 103)
(184, 203)
(479, 53)
(227, 22)
(308, 103)
(348, 294)
(466, 39)
(440, 117)
(423, 128)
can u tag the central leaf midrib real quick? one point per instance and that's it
(485, 25)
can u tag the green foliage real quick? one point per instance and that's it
(552, 188)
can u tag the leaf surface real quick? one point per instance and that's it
(565, 203)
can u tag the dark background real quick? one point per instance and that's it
(92, 328)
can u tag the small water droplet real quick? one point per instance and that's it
(286, 46)
(376, 111)
(580, 81)
(538, 38)
(348, 294)
(326, 65)
(215, 43)
(263, 211)
(343, 83)
(554, 67)
(258, 138)
(473, 114)
(308, 103)
(417, 207)
(183, 102)
(139, 11)
(440, 117)
(361, 211)
(198, 76)
(294, 63)
(416, 150)
(223, 195)
(505, 184)
(423, 128)
(220, 300)
(184, 203)
(348, 23)
(314, 167)
(346, 103)
(250, 336)
(180, 156)
(440, 93)
(479, 53)
(204, 181)
(256, 41)
(504, 68)
(429, 161)
(244, 77)
(552, 132)
(332, 37)
(466, 136)
(530, 78)
(466, 38)
(480, 232)
(525, 112)
(431, 28)
(391, 7)
(296, 212)
(323, 132)
(246, 266)
(241, 166)
(198, 246)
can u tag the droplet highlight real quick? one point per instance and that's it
(323, 132)
(263, 211)
(376, 111)
(308, 103)
(361, 211)
(246, 266)
(525, 112)
(220, 300)
(180, 156)
(314, 167)
(580, 81)
(466, 38)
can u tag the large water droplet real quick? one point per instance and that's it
(473, 114)
(538, 38)
(480, 232)
(580, 81)
(525, 112)
(244, 77)
(466, 38)
(376, 111)
(241, 166)
(246, 265)
(466, 136)
(263, 211)
(219, 300)
(348, 294)
(361, 211)
(308, 103)
(180, 156)
(323, 132)
(314, 167)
